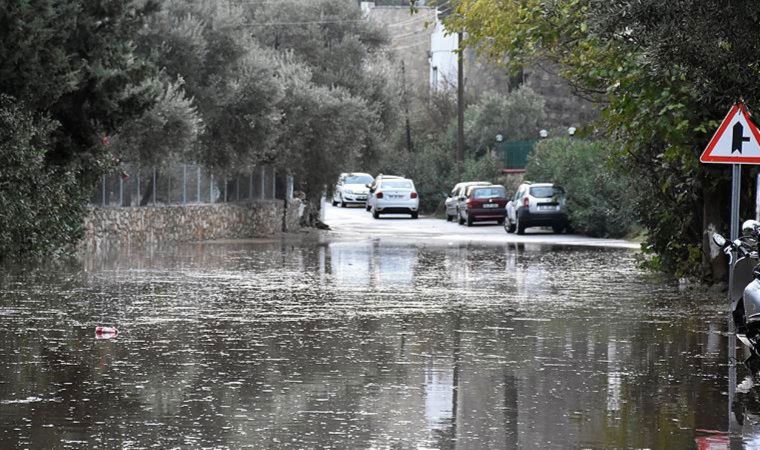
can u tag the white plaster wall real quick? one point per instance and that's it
(443, 56)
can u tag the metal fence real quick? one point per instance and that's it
(181, 184)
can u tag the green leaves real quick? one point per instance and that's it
(43, 206)
(600, 195)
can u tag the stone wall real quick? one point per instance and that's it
(184, 223)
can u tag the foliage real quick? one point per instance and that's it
(69, 76)
(74, 60)
(432, 162)
(316, 99)
(600, 195)
(165, 132)
(664, 71)
(42, 206)
(517, 116)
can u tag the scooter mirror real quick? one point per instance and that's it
(750, 227)
(719, 240)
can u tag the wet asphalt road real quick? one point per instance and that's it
(354, 341)
(354, 221)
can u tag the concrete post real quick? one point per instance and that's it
(274, 183)
(263, 182)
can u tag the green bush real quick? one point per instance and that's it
(42, 206)
(601, 198)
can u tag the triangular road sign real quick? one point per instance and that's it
(737, 140)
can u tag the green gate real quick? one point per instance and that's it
(514, 154)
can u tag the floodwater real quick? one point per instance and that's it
(363, 344)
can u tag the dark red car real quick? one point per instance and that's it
(484, 203)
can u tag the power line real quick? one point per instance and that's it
(409, 46)
(306, 22)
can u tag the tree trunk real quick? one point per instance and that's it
(312, 208)
(147, 195)
(714, 262)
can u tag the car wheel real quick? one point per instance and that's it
(449, 218)
(509, 227)
(500, 221)
(415, 215)
(470, 221)
(375, 214)
(519, 226)
(558, 228)
(368, 207)
(461, 219)
(342, 204)
(334, 202)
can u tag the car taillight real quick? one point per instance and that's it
(379, 195)
(414, 195)
(469, 203)
(526, 202)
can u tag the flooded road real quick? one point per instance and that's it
(361, 344)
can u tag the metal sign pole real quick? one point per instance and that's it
(736, 181)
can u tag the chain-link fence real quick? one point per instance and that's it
(182, 184)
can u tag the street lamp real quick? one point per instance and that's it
(571, 131)
(543, 134)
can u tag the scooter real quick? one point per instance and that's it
(745, 289)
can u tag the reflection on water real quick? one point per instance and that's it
(366, 344)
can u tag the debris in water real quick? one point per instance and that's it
(105, 332)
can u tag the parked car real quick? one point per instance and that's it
(373, 186)
(394, 196)
(537, 204)
(453, 199)
(351, 188)
(483, 203)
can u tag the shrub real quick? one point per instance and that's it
(601, 198)
(42, 206)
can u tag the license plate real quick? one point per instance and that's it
(396, 196)
(491, 205)
(361, 197)
(547, 208)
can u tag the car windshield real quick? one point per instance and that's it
(490, 192)
(358, 179)
(397, 184)
(547, 191)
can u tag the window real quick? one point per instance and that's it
(358, 179)
(547, 191)
(397, 184)
(489, 192)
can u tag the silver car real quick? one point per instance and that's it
(537, 205)
(351, 188)
(457, 195)
(394, 196)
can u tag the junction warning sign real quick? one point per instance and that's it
(737, 141)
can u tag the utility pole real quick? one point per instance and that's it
(406, 108)
(460, 101)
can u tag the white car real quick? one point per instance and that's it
(394, 196)
(351, 189)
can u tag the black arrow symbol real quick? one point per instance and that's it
(738, 138)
